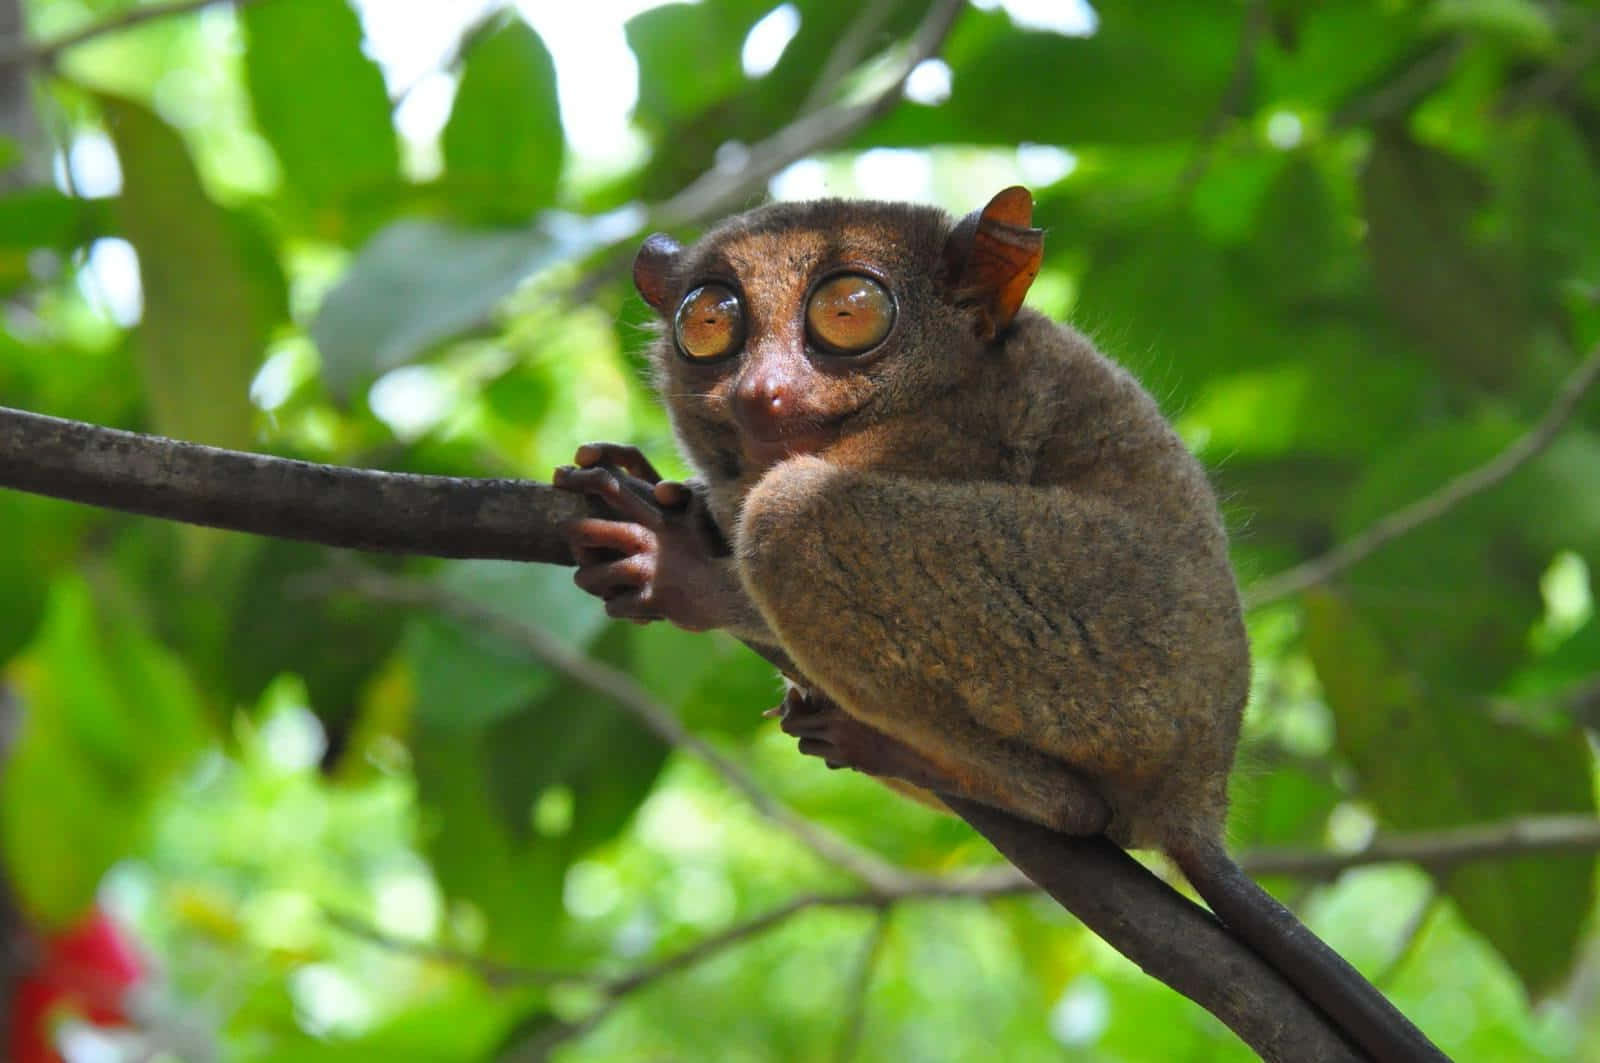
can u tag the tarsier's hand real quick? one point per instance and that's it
(660, 557)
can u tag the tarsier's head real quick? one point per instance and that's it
(794, 325)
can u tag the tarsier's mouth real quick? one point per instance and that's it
(765, 453)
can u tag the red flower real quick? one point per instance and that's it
(84, 971)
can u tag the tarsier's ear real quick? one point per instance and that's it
(992, 256)
(652, 270)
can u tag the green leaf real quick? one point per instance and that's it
(663, 37)
(42, 217)
(1457, 299)
(468, 679)
(999, 73)
(212, 289)
(1428, 759)
(108, 717)
(321, 103)
(516, 887)
(582, 741)
(1471, 580)
(334, 642)
(503, 144)
(417, 283)
(1552, 193)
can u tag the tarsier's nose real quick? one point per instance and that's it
(764, 401)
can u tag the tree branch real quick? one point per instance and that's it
(1230, 103)
(1437, 851)
(19, 51)
(859, 990)
(438, 516)
(1491, 473)
(723, 188)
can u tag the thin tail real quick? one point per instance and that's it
(1354, 1004)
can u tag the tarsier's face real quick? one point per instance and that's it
(794, 326)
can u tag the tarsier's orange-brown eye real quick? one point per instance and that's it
(849, 314)
(709, 323)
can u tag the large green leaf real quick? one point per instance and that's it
(503, 144)
(1552, 191)
(1456, 597)
(1010, 86)
(321, 103)
(468, 679)
(212, 287)
(108, 717)
(515, 886)
(417, 283)
(1429, 759)
(334, 642)
(1456, 298)
(662, 38)
(603, 757)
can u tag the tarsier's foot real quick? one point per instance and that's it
(842, 741)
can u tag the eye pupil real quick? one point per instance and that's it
(849, 314)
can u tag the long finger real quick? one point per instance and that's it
(608, 580)
(597, 533)
(608, 486)
(628, 459)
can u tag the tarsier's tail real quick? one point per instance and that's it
(1359, 1010)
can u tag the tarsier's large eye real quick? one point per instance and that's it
(709, 323)
(849, 314)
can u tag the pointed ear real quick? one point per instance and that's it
(992, 256)
(652, 270)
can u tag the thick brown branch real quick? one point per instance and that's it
(1166, 934)
(439, 516)
(1491, 473)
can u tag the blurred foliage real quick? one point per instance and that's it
(1353, 246)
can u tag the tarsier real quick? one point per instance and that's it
(989, 566)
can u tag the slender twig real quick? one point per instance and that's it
(1408, 519)
(619, 687)
(616, 991)
(1230, 103)
(1437, 851)
(19, 51)
(848, 52)
(1557, 77)
(1582, 702)
(1405, 90)
(859, 989)
(491, 971)
(720, 189)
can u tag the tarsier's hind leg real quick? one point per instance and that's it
(1052, 794)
